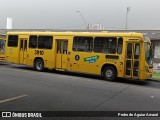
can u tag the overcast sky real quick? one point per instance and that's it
(53, 14)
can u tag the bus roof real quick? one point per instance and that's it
(127, 34)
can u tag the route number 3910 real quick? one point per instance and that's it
(39, 52)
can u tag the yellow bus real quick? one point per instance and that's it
(2, 47)
(110, 55)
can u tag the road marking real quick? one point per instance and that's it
(13, 98)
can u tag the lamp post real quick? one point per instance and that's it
(128, 9)
(83, 19)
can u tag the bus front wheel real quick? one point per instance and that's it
(39, 65)
(110, 73)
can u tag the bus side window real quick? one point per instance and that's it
(12, 40)
(106, 45)
(45, 42)
(33, 41)
(99, 44)
(120, 45)
(83, 44)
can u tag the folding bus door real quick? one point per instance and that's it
(62, 54)
(132, 60)
(23, 51)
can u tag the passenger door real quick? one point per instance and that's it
(132, 59)
(62, 53)
(23, 51)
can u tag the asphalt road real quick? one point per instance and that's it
(22, 89)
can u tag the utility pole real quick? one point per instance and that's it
(83, 19)
(128, 9)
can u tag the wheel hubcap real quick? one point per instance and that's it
(109, 73)
(39, 66)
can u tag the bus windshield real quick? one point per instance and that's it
(148, 53)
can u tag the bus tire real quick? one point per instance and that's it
(39, 65)
(110, 73)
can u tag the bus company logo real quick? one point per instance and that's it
(6, 114)
(91, 59)
(77, 57)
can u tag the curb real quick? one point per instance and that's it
(154, 80)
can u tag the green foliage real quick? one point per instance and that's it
(156, 76)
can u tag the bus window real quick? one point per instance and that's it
(59, 47)
(129, 51)
(120, 45)
(33, 41)
(148, 54)
(84, 44)
(12, 40)
(45, 42)
(105, 45)
(2, 45)
(65, 45)
(137, 51)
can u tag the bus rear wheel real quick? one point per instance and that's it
(39, 65)
(110, 73)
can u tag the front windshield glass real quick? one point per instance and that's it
(148, 53)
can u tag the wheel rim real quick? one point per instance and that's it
(39, 65)
(109, 73)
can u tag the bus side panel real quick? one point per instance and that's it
(87, 62)
(12, 53)
(93, 63)
(48, 57)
